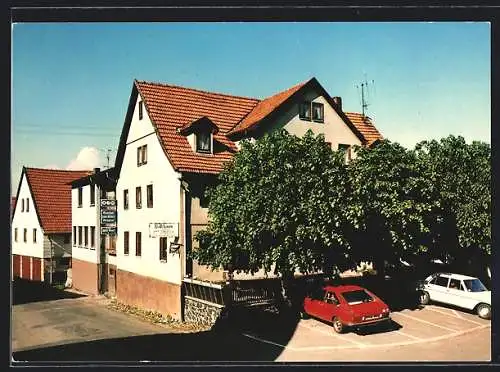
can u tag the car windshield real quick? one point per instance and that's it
(357, 297)
(474, 285)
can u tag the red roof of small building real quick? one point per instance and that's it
(365, 126)
(51, 194)
(172, 108)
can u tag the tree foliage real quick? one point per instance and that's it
(280, 202)
(293, 204)
(460, 176)
(389, 203)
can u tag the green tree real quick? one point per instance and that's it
(280, 203)
(460, 175)
(389, 206)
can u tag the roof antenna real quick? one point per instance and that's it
(364, 94)
(108, 156)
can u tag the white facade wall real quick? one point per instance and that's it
(334, 128)
(166, 204)
(86, 215)
(28, 220)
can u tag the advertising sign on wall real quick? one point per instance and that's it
(108, 216)
(163, 230)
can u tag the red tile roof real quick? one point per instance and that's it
(173, 107)
(365, 126)
(51, 194)
(264, 108)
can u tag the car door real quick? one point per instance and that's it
(330, 306)
(313, 304)
(438, 287)
(455, 293)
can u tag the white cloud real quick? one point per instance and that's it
(87, 159)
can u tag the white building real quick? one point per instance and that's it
(93, 265)
(41, 224)
(173, 144)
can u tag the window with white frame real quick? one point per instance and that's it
(80, 197)
(317, 112)
(142, 155)
(163, 249)
(203, 142)
(92, 237)
(92, 195)
(138, 197)
(80, 236)
(140, 110)
(86, 236)
(305, 110)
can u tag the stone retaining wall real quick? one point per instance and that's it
(200, 311)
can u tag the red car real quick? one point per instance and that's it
(346, 306)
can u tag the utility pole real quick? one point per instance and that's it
(364, 94)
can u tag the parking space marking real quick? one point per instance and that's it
(455, 312)
(408, 335)
(359, 344)
(266, 341)
(393, 344)
(425, 321)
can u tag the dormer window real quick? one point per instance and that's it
(204, 142)
(200, 134)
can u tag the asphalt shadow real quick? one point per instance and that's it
(378, 328)
(26, 291)
(224, 342)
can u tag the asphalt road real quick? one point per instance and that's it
(69, 328)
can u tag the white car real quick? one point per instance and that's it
(459, 290)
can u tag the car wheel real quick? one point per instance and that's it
(424, 298)
(338, 326)
(484, 311)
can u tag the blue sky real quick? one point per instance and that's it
(71, 82)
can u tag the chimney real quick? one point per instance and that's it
(97, 170)
(338, 102)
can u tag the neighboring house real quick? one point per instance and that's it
(93, 249)
(12, 206)
(174, 142)
(41, 224)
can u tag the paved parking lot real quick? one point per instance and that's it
(432, 333)
(83, 329)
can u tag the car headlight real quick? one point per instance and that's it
(385, 310)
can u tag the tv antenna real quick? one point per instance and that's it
(364, 94)
(108, 156)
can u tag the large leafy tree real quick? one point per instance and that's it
(389, 204)
(280, 203)
(460, 175)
